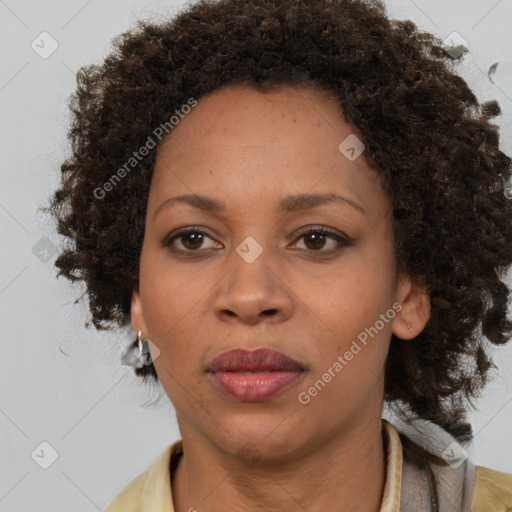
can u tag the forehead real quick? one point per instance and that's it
(262, 145)
(241, 115)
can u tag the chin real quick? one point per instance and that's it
(267, 440)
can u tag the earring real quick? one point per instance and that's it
(409, 327)
(144, 354)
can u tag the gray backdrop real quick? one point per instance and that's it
(62, 384)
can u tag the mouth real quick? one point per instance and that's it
(259, 360)
(253, 375)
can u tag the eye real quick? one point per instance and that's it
(315, 240)
(191, 239)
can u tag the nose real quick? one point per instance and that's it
(253, 292)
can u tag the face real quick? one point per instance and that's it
(261, 268)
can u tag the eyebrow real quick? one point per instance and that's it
(289, 204)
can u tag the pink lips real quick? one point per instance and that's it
(253, 375)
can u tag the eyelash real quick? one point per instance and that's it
(343, 241)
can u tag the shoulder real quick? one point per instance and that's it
(130, 498)
(493, 491)
(432, 455)
(151, 490)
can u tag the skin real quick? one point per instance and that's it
(249, 150)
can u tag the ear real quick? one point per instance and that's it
(415, 312)
(136, 314)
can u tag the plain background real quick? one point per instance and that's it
(63, 384)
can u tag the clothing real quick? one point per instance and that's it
(413, 483)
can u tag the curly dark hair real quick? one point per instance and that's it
(426, 135)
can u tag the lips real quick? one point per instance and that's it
(253, 375)
(260, 360)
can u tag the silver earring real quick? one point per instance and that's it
(409, 327)
(144, 353)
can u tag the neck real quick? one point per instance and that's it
(349, 469)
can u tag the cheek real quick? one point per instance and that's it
(343, 307)
(170, 300)
(350, 343)
(352, 295)
(169, 290)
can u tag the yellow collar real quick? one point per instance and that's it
(393, 485)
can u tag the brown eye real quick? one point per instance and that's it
(188, 240)
(316, 239)
(192, 240)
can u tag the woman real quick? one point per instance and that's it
(302, 212)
